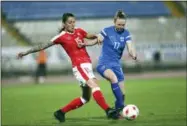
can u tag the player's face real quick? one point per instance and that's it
(119, 24)
(70, 24)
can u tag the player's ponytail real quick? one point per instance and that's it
(64, 19)
(61, 29)
(120, 14)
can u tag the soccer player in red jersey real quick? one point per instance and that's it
(69, 38)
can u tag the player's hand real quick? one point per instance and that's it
(20, 55)
(136, 59)
(99, 40)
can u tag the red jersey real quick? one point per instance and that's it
(69, 42)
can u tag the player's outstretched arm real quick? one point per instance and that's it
(35, 49)
(131, 50)
(87, 43)
(91, 42)
(91, 36)
(99, 39)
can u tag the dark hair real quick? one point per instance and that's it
(65, 18)
(120, 14)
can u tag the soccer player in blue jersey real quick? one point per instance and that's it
(114, 39)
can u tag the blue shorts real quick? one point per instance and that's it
(116, 69)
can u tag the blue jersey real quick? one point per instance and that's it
(113, 45)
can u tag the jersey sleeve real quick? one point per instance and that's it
(128, 37)
(57, 39)
(83, 32)
(104, 32)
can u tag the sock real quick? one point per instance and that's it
(98, 96)
(118, 104)
(76, 103)
(118, 95)
(123, 96)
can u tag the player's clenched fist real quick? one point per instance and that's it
(20, 55)
(99, 39)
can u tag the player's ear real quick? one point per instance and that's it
(114, 21)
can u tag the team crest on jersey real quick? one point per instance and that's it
(122, 39)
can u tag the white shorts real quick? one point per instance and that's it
(83, 73)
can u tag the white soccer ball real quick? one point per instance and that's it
(130, 112)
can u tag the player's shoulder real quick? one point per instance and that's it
(126, 32)
(59, 35)
(108, 28)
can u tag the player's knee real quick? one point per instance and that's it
(110, 75)
(113, 79)
(92, 83)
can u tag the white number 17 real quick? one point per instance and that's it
(116, 45)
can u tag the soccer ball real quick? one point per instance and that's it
(130, 112)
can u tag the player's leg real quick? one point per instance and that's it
(45, 71)
(122, 86)
(100, 100)
(108, 73)
(97, 94)
(37, 74)
(87, 75)
(77, 102)
(86, 93)
(42, 73)
(74, 104)
(120, 75)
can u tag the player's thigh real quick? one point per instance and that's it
(83, 73)
(43, 69)
(106, 72)
(40, 70)
(110, 75)
(119, 73)
(101, 69)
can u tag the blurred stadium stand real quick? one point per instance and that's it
(40, 11)
(150, 23)
(158, 30)
(53, 10)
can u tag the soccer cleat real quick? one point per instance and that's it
(120, 112)
(113, 113)
(59, 115)
(121, 108)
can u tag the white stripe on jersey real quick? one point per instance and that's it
(104, 32)
(128, 37)
(57, 36)
(128, 41)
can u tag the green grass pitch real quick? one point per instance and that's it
(162, 102)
